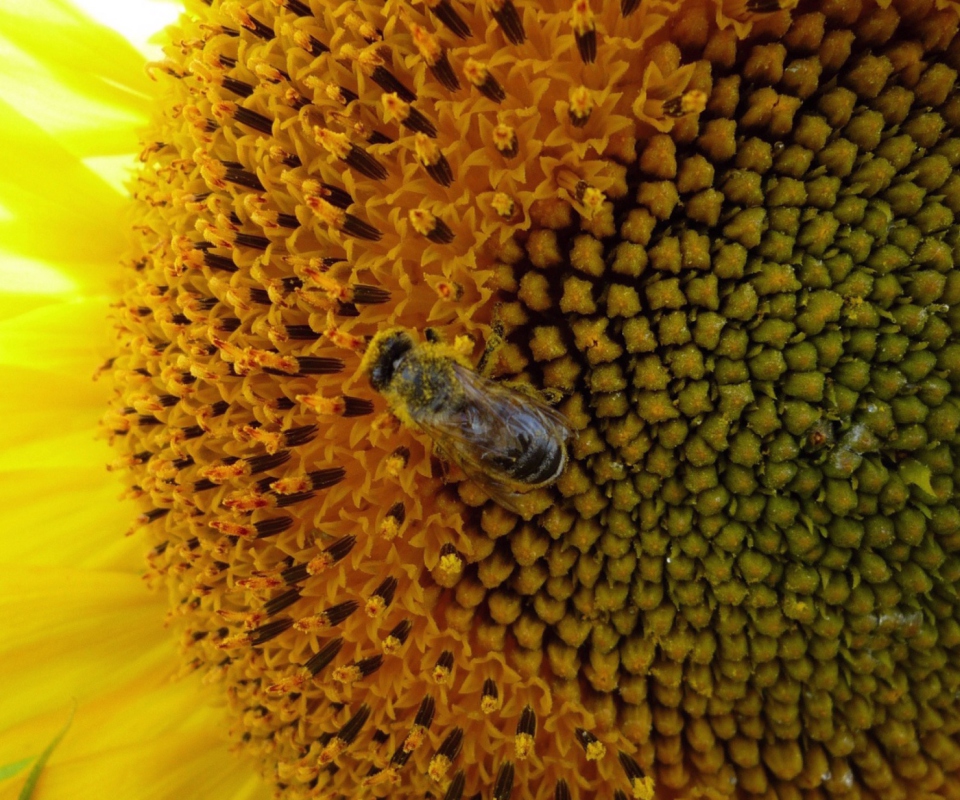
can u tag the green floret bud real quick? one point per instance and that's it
(714, 499)
(857, 243)
(739, 480)
(910, 525)
(894, 494)
(774, 332)
(754, 566)
(854, 374)
(805, 386)
(745, 449)
(908, 410)
(877, 220)
(943, 422)
(778, 476)
(823, 307)
(665, 294)
(698, 452)
(892, 347)
(734, 398)
(872, 567)
(905, 199)
(750, 509)
(842, 463)
(729, 370)
(879, 531)
(818, 234)
(673, 329)
(798, 416)
(651, 374)
(838, 157)
(741, 303)
(783, 220)
(733, 344)
(840, 497)
(934, 217)
(813, 273)
(638, 335)
(836, 589)
(630, 259)
(913, 580)
(694, 399)
(794, 161)
(704, 292)
(926, 286)
(887, 290)
(807, 481)
(844, 400)
(871, 476)
(784, 447)
(686, 362)
(764, 418)
(917, 366)
(929, 556)
(878, 418)
(707, 330)
(768, 540)
(776, 245)
(888, 258)
(774, 279)
(850, 210)
(912, 437)
(673, 434)
(768, 365)
(822, 193)
(887, 382)
(801, 579)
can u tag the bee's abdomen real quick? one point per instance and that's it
(539, 463)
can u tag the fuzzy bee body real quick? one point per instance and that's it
(506, 440)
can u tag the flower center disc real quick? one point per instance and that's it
(722, 232)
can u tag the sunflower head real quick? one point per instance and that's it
(720, 233)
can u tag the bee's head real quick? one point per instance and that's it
(384, 354)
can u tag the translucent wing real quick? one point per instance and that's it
(493, 428)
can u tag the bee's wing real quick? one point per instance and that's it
(495, 425)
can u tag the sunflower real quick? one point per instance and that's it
(719, 234)
(80, 631)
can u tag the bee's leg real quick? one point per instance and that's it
(431, 335)
(494, 342)
(546, 395)
(551, 396)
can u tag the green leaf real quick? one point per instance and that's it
(9, 770)
(27, 791)
(913, 472)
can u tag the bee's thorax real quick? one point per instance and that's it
(427, 386)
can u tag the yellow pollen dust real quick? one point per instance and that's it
(595, 751)
(427, 150)
(423, 221)
(490, 705)
(347, 675)
(643, 788)
(523, 745)
(475, 71)
(439, 766)
(391, 645)
(504, 137)
(375, 606)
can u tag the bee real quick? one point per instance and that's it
(505, 439)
